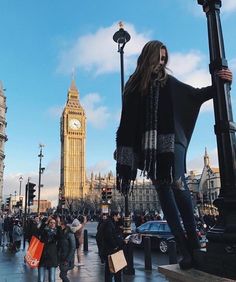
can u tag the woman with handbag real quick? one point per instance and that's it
(112, 242)
(49, 234)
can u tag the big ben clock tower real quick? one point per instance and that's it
(73, 135)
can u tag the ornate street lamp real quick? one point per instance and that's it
(41, 170)
(20, 180)
(121, 37)
(220, 257)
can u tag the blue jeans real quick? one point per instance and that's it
(175, 199)
(51, 273)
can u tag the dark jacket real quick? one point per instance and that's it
(66, 245)
(186, 101)
(32, 230)
(108, 237)
(50, 239)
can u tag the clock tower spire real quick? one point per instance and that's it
(73, 137)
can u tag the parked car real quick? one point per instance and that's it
(159, 233)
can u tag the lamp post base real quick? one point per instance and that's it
(222, 265)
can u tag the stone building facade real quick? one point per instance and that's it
(204, 186)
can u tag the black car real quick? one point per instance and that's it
(159, 233)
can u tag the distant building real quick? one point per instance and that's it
(3, 137)
(204, 186)
(143, 197)
(44, 205)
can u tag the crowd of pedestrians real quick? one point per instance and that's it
(62, 238)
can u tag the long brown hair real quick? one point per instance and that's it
(147, 65)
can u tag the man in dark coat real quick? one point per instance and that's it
(67, 249)
(110, 242)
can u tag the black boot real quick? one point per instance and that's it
(186, 262)
(192, 243)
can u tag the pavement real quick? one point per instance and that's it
(13, 268)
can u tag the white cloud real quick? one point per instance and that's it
(55, 111)
(207, 106)
(189, 68)
(228, 5)
(98, 52)
(50, 180)
(97, 115)
(102, 167)
(232, 64)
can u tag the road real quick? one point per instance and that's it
(157, 257)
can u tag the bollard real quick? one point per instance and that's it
(85, 240)
(172, 252)
(129, 255)
(147, 253)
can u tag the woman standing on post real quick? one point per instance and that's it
(158, 117)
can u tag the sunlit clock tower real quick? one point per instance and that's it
(73, 136)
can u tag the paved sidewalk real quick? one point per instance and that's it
(13, 269)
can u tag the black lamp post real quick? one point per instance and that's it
(41, 170)
(121, 37)
(220, 257)
(20, 180)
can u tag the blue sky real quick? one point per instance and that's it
(42, 42)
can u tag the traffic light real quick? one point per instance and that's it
(8, 200)
(109, 195)
(104, 194)
(31, 191)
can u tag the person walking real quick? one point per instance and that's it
(49, 234)
(157, 121)
(66, 247)
(16, 235)
(1, 229)
(109, 240)
(80, 224)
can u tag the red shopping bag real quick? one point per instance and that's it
(34, 252)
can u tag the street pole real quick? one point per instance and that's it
(25, 213)
(20, 179)
(121, 37)
(40, 174)
(220, 257)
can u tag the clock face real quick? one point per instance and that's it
(74, 124)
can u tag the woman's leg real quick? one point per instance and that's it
(41, 274)
(52, 274)
(184, 200)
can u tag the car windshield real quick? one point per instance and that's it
(155, 226)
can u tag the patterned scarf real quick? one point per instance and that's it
(158, 137)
